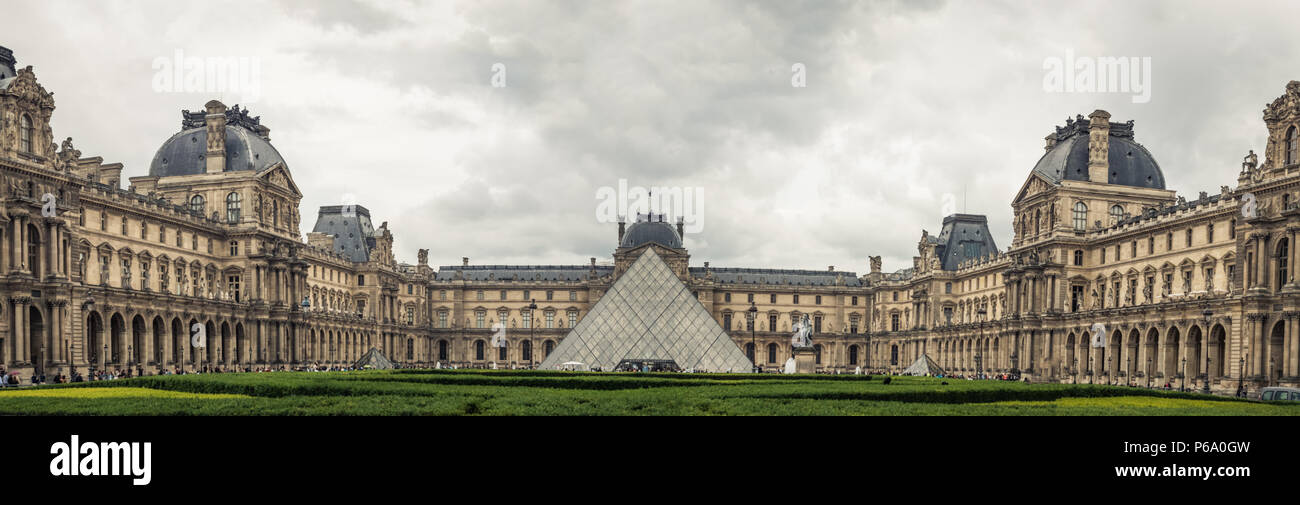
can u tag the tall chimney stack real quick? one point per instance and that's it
(464, 261)
(215, 121)
(1099, 146)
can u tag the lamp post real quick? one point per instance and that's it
(1147, 373)
(979, 356)
(67, 346)
(1272, 363)
(1241, 377)
(1208, 314)
(532, 313)
(1128, 369)
(1182, 385)
(1074, 369)
(753, 348)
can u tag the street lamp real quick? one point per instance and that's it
(979, 356)
(1208, 314)
(1182, 385)
(67, 345)
(753, 348)
(1241, 377)
(532, 313)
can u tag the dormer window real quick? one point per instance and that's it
(196, 204)
(1292, 146)
(25, 134)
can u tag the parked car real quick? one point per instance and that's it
(1280, 394)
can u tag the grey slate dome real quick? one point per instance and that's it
(247, 146)
(644, 232)
(1130, 163)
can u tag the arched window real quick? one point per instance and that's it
(196, 204)
(853, 355)
(25, 134)
(527, 349)
(1080, 216)
(1292, 146)
(1116, 213)
(232, 207)
(818, 350)
(501, 352)
(749, 352)
(442, 350)
(548, 347)
(478, 350)
(771, 353)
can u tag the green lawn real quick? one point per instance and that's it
(507, 392)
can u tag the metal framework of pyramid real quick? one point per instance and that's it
(374, 358)
(924, 366)
(649, 314)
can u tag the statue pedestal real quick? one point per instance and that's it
(805, 360)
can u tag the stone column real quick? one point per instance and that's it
(21, 353)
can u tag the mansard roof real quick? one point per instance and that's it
(778, 276)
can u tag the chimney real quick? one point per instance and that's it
(1051, 141)
(7, 63)
(621, 224)
(830, 268)
(681, 227)
(1099, 146)
(215, 121)
(464, 261)
(706, 265)
(593, 262)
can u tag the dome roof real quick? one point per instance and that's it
(182, 154)
(644, 232)
(1130, 163)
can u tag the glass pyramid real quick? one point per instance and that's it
(649, 314)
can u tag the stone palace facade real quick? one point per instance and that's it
(96, 276)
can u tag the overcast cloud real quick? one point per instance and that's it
(391, 102)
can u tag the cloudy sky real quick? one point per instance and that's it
(909, 108)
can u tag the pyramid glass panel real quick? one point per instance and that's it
(649, 314)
